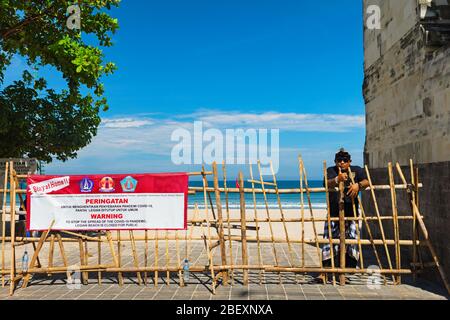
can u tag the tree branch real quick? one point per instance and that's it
(13, 30)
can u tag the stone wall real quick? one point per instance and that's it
(433, 206)
(407, 95)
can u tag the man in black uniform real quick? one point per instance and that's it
(340, 173)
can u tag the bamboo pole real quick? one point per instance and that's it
(243, 228)
(296, 190)
(380, 223)
(302, 213)
(395, 221)
(281, 240)
(79, 235)
(193, 190)
(223, 253)
(119, 257)
(291, 260)
(358, 233)
(167, 258)
(230, 245)
(258, 245)
(50, 252)
(86, 258)
(135, 256)
(268, 268)
(63, 255)
(416, 192)
(330, 234)
(369, 231)
(156, 257)
(427, 239)
(191, 231)
(5, 182)
(208, 243)
(414, 227)
(177, 248)
(341, 230)
(12, 202)
(99, 259)
(82, 261)
(308, 197)
(37, 259)
(115, 259)
(146, 257)
(268, 217)
(44, 235)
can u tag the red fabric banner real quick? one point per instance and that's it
(86, 200)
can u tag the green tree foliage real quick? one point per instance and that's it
(35, 120)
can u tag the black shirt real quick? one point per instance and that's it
(358, 175)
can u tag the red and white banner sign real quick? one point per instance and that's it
(108, 202)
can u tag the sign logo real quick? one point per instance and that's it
(128, 184)
(107, 184)
(86, 185)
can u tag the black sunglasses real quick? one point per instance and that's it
(342, 159)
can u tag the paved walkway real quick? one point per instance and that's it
(297, 287)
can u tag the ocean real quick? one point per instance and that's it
(288, 201)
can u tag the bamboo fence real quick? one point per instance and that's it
(233, 246)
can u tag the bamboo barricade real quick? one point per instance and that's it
(281, 229)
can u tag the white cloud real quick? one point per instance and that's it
(142, 141)
(284, 121)
(125, 123)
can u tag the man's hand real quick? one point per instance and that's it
(353, 190)
(343, 176)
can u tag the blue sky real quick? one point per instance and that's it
(265, 63)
